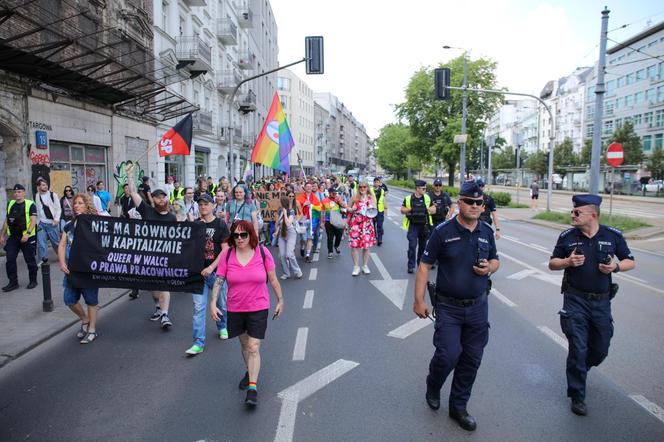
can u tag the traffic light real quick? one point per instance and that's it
(442, 83)
(313, 52)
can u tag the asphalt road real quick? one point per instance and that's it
(359, 376)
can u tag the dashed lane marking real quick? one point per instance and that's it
(410, 327)
(316, 257)
(502, 298)
(308, 299)
(313, 274)
(553, 335)
(651, 407)
(300, 349)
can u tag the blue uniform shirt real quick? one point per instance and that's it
(607, 241)
(456, 249)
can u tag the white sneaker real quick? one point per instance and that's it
(365, 270)
(356, 271)
(284, 277)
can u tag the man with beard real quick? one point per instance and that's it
(160, 212)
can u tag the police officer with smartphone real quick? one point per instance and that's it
(588, 253)
(466, 250)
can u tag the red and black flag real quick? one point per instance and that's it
(177, 141)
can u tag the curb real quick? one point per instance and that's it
(634, 235)
(6, 359)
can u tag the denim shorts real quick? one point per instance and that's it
(73, 295)
(311, 231)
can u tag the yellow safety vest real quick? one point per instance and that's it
(427, 203)
(28, 204)
(381, 202)
(177, 194)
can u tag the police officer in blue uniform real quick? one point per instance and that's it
(588, 253)
(417, 209)
(466, 251)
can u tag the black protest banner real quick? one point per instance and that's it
(270, 203)
(137, 254)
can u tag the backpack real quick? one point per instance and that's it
(228, 256)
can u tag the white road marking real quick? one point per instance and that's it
(300, 344)
(646, 251)
(410, 327)
(313, 274)
(511, 238)
(553, 279)
(308, 299)
(502, 298)
(633, 278)
(647, 286)
(542, 249)
(316, 257)
(651, 407)
(381, 268)
(291, 396)
(654, 239)
(539, 247)
(522, 274)
(553, 335)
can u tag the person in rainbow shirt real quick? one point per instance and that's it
(311, 207)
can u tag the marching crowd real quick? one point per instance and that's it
(458, 236)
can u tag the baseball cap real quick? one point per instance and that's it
(437, 182)
(18, 187)
(204, 197)
(158, 192)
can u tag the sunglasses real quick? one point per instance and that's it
(291, 196)
(437, 185)
(471, 201)
(68, 190)
(577, 212)
(241, 235)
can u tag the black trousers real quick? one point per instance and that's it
(29, 249)
(378, 225)
(333, 236)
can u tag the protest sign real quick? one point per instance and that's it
(269, 203)
(137, 254)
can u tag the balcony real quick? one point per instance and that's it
(248, 141)
(194, 3)
(193, 53)
(247, 102)
(237, 133)
(222, 135)
(245, 17)
(227, 32)
(227, 80)
(203, 122)
(246, 60)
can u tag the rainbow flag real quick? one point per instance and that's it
(275, 141)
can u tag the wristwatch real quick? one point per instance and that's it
(617, 269)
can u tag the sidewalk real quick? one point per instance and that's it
(23, 324)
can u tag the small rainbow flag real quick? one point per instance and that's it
(275, 141)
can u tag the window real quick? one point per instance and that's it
(619, 102)
(661, 71)
(591, 93)
(608, 127)
(610, 88)
(589, 131)
(646, 142)
(659, 118)
(640, 74)
(629, 100)
(164, 16)
(660, 94)
(640, 97)
(650, 96)
(201, 164)
(86, 164)
(658, 141)
(283, 84)
(630, 78)
(652, 72)
(608, 107)
(647, 119)
(590, 111)
(619, 122)
(638, 120)
(620, 82)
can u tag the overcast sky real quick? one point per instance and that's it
(372, 47)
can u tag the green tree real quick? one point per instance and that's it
(630, 141)
(392, 147)
(434, 123)
(504, 159)
(656, 164)
(564, 156)
(586, 152)
(538, 162)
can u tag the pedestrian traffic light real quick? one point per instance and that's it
(442, 83)
(314, 54)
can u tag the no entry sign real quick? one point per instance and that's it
(615, 155)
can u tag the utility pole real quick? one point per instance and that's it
(599, 107)
(489, 177)
(464, 116)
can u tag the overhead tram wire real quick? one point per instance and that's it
(635, 21)
(622, 46)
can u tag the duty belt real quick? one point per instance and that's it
(587, 295)
(460, 302)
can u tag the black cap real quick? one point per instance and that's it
(420, 183)
(437, 182)
(18, 187)
(480, 182)
(158, 192)
(586, 199)
(205, 197)
(471, 189)
(332, 190)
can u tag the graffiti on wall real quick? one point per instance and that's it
(121, 176)
(39, 159)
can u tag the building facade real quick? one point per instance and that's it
(634, 89)
(78, 93)
(297, 100)
(206, 48)
(514, 122)
(322, 139)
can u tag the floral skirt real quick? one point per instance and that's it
(361, 232)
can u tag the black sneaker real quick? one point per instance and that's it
(244, 383)
(166, 321)
(9, 287)
(134, 294)
(579, 408)
(156, 316)
(302, 253)
(252, 398)
(32, 285)
(307, 258)
(411, 270)
(336, 249)
(380, 243)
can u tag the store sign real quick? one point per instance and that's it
(41, 138)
